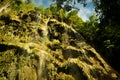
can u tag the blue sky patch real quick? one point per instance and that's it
(84, 12)
(46, 3)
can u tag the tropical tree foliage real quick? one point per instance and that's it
(74, 20)
(90, 28)
(22, 5)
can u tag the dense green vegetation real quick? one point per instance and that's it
(103, 35)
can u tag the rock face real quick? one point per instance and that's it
(39, 48)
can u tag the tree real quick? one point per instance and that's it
(74, 20)
(41, 9)
(68, 4)
(109, 11)
(90, 28)
(22, 5)
(62, 14)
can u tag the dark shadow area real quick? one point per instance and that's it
(69, 53)
(19, 51)
(5, 47)
(74, 70)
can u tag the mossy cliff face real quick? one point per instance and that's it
(33, 47)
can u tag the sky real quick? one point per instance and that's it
(84, 12)
(46, 3)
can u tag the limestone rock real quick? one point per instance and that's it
(61, 54)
